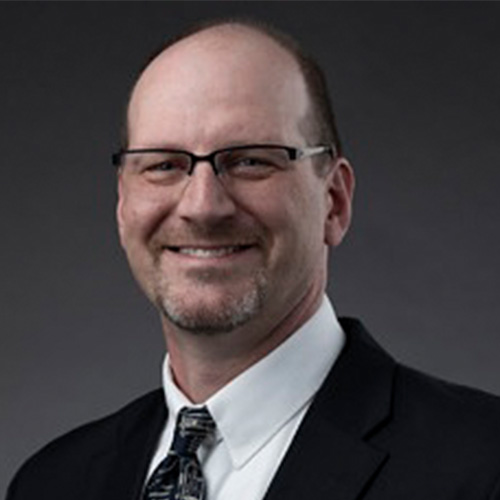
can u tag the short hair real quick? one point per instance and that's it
(321, 124)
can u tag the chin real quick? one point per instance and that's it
(211, 312)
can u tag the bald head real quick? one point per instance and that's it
(235, 53)
(224, 76)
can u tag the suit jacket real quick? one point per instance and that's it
(376, 430)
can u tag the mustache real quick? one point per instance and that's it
(222, 234)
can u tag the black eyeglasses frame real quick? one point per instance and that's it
(294, 154)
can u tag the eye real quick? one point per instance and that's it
(250, 167)
(249, 161)
(252, 163)
(164, 168)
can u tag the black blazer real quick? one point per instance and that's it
(375, 431)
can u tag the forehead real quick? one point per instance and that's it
(229, 80)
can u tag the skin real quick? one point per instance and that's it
(225, 86)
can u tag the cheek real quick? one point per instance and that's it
(288, 222)
(305, 216)
(138, 217)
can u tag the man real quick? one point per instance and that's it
(232, 187)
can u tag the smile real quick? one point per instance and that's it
(209, 253)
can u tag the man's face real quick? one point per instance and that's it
(214, 256)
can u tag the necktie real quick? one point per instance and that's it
(179, 475)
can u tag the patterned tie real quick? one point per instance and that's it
(179, 475)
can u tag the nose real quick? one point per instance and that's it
(204, 198)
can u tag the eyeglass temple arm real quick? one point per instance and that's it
(316, 150)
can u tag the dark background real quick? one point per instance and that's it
(416, 90)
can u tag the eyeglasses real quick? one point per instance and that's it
(252, 162)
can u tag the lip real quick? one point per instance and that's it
(205, 253)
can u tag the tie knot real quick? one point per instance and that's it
(193, 426)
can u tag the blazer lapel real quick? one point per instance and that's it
(330, 456)
(120, 473)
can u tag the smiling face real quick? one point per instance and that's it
(216, 255)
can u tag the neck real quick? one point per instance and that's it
(203, 364)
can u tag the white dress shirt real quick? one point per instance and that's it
(257, 414)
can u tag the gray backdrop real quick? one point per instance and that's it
(416, 87)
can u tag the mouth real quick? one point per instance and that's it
(208, 252)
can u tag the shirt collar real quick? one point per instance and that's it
(255, 405)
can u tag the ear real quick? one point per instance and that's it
(340, 190)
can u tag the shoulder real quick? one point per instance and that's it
(74, 450)
(443, 405)
(418, 407)
(439, 436)
(415, 393)
(97, 435)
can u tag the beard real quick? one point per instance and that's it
(205, 317)
(210, 301)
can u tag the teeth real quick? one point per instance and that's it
(206, 253)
